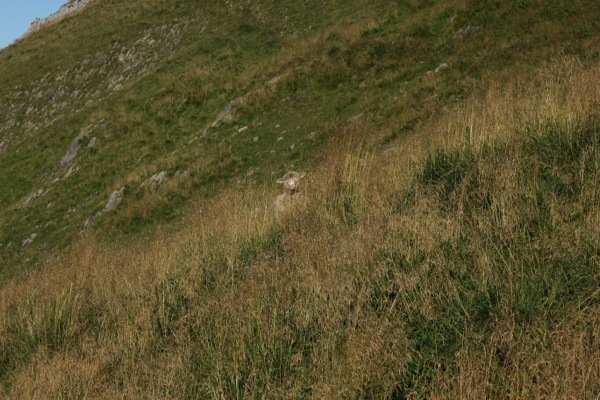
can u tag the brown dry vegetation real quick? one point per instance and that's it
(459, 262)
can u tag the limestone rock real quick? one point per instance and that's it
(227, 115)
(71, 153)
(92, 143)
(88, 221)
(29, 239)
(64, 10)
(441, 67)
(156, 179)
(71, 171)
(114, 200)
(31, 198)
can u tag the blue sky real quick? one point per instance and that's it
(16, 15)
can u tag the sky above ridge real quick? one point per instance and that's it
(16, 15)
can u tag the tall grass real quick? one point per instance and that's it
(460, 262)
(146, 78)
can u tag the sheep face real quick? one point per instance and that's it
(291, 189)
(291, 181)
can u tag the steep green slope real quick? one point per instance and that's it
(446, 245)
(145, 79)
(149, 79)
(468, 269)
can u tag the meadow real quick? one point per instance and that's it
(447, 241)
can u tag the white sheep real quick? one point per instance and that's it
(291, 190)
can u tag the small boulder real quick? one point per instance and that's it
(441, 67)
(71, 171)
(114, 200)
(88, 222)
(156, 179)
(227, 115)
(31, 198)
(28, 240)
(71, 153)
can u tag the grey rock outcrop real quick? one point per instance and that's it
(76, 145)
(64, 10)
(88, 221)
(114, 200)
(28, 240)
(71, 171)
(92, 143)
(227, 115)
(156, 179)
(441, 67)
(31, 198)
(71, 153)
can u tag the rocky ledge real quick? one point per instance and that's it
(64, 10)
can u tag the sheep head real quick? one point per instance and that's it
(291, 181)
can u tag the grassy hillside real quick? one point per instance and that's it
(446, 244)
(149, 80)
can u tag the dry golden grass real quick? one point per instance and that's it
(330, 301)
(563, 91)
